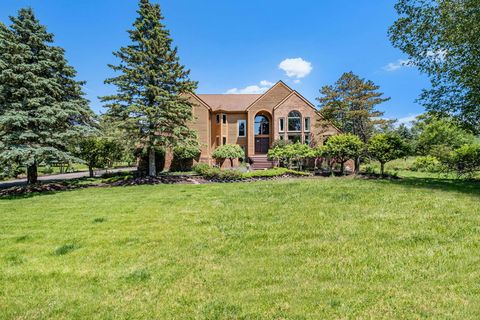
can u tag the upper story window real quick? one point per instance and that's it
(242, 128)
(261, 125)
(224, 118)
(306, 126)
(218, 118)
(281, 125)
(294, 121)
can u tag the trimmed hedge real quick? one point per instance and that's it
(231, 174)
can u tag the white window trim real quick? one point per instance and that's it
(304, 124)
(244, 128)
(280, 129)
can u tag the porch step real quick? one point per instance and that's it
(260, 162)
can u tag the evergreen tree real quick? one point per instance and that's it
(150, 103)
(42, 107)
(350, 104)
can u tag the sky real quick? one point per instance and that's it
(243, 46)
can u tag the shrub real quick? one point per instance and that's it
(186, 152)
(465, 161)
(290, 153)
(201, 168)
(228, 151)
(426, 164)
(342, 148)
(386, 147)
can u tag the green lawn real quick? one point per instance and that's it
(288, 249)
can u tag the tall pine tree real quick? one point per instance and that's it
(151, 103)
(351, 105)
(42, 108)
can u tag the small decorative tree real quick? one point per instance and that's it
(98, 152)
(386, 147)
(228, 151)
(344, 147)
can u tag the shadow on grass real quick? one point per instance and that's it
(457, 185)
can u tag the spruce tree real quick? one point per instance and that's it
(151, 102)
(42, 108)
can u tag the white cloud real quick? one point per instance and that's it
(266, 83)
(296, 67)
(394, 66)
(296, 81)
(407, 120)
(252, 89)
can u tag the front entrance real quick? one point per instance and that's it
(262, 134)
(261, 145)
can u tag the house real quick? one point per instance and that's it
(255, 121)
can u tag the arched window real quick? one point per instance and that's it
(294, 121)
(261, 125)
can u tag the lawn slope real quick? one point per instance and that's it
(289, 249)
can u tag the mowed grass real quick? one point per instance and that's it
(288, 249)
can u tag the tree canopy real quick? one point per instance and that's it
(442, 39)
(350, 105)
(151, 102)
(42, 105)
(385, 147)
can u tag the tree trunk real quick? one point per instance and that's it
(231, 162)
(357, 165)
(152, 168)
(342, 165)
(382, 168)
(90, 171)
(32, 175)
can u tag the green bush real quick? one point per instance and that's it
(465, 161)
(201, 168)
(186, 152)
(229, 151)
(232, 174)
(426, 164)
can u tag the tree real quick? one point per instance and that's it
(98, 152)
(465, 161)
(343, 147)
(386, 147)
(151, 102)
(350, 105)
(441, 38)
(438, 137)
(42, 107)
(228, 151)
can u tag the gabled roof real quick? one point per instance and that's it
(229, 102)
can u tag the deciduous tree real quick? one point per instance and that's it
(442, 39)
(385, 147)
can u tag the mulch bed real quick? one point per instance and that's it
(38, 188)
(162, 179)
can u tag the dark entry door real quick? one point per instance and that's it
(261, 145)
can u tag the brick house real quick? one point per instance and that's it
(254, 121)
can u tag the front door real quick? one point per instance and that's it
(262, 134)
(261, 145)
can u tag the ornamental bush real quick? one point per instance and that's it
(386, 147)
(426, 164)
(465, 161)
(343, 147)
(228, 151)
(186, 152)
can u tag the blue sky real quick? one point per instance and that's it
(233, 45)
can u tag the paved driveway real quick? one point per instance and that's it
(59, 177)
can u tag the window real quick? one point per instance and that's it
(242, 128)
(307, 139)
(281, 124)
(306, 126)
(294, 138)
(224, 118)
(261, 125)
(218, 140)
(218, 118)
(294, 121)
(224, 140)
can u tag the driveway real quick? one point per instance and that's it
(62, 176)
